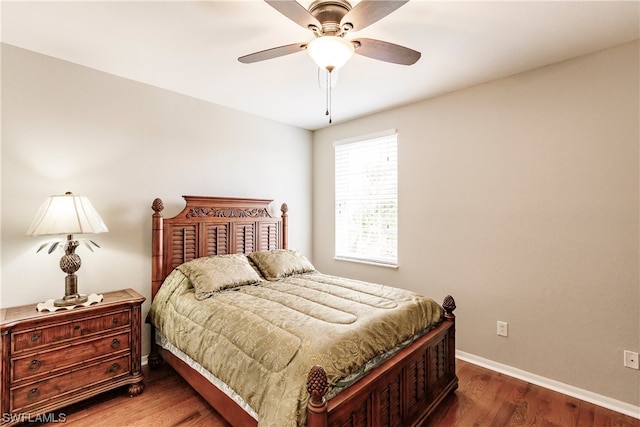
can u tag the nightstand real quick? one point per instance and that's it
(53, 359)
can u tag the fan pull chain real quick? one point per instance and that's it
(328, 112)
(326, 99)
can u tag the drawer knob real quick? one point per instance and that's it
(114, 368)
(35, 337)
(76, 327)
(115, 343)
(115, 320)
(33, 394)
(34, 365)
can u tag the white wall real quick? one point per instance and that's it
(122, 144)
(520, 198)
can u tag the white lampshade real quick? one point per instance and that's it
(66, 214)
(330, 52)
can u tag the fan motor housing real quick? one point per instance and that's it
(329, 13)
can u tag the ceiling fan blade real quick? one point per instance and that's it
(272, 53)
(385, 51)
(296, 12)
(367, 12)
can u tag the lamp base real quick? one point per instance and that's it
(68, 300)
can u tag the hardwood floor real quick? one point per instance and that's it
(487, 398)
(484, 398)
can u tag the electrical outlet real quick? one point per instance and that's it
(631, 359)
(503, 329)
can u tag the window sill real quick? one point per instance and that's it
(361, 261)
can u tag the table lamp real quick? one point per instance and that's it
(67, 214)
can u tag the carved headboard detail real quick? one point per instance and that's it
(212, 226)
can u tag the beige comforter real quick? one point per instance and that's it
(263, 339)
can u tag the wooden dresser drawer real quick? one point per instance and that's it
(63, 331)
(49, 361)
(59, 386)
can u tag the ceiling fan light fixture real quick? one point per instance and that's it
(330, 52)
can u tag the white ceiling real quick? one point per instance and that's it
(192, 48)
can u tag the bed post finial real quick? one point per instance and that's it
(157, 206)
(285, 225)
(449, 304)
(317, 386)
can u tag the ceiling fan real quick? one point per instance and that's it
(330, 21)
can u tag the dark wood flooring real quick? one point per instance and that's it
(484, 398)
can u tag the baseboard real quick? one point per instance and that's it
(587, 396)
(144, 359)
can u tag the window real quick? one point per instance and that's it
(367, 199)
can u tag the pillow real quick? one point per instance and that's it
(216, 273)
(278, 263)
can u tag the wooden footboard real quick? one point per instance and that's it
(401, 392)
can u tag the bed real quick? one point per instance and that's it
(398, 386)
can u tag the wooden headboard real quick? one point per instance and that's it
(212, 226)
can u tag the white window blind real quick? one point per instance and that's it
(366, 192)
